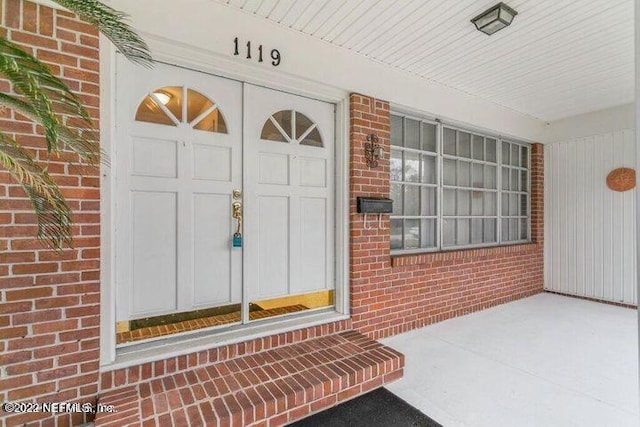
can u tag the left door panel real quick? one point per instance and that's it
(177, 161)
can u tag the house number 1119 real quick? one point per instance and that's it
(257, 54)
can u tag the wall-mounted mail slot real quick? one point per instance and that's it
(374, 205)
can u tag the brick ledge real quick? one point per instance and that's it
(462, 254)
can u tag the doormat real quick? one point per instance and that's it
(379, 408)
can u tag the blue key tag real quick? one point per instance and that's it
(237, 240)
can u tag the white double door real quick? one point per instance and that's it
(188, 146)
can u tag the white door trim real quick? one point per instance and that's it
(201, 60)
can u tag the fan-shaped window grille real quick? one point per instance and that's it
(167, 106)
(291, 126)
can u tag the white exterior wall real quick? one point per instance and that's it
(589, 229)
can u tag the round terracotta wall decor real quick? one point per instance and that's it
(621, 179)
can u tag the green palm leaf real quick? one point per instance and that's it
(52, 212)
(113, 25)
(66, 124)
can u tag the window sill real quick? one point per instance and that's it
(403, 260)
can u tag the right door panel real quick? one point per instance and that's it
(289, 197)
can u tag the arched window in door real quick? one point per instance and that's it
(291, 126)
(176, 105)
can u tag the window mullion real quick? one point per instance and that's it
(499, 185)
(439, 182)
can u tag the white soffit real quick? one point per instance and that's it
(559, 58)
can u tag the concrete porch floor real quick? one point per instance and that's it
(547, 360)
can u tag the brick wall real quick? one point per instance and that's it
(394, 295)
(49, 303)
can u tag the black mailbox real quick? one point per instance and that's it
(374, 205)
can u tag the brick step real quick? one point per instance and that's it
(271, 388)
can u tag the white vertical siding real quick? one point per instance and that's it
(589, 229)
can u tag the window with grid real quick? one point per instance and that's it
(414, 183)
(453, 188)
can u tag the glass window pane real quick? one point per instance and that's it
(464, 174)
(477, 232)
(478, 147)
(271, 133)
(412, 134)
(174, 102)
(428, 201)
(197, 104)
(505, 204)
(396, 234)
(149, 111)
(396, 131)
(411, 233)
(397, 197)
(313, 139)
(477, 203)
(513, 205)
(524, 185)
(428, 231)
(464, 144)
(505, 230)
(523, 205)
(449, 141)
(429, 169)
(449, 171)
(448, 232)
(411, 167)
(515, 155)
(505, 178)
(449, 202)
(478, 176)
(463, 200)
(396, 165)
(514, 180)
(285, 119)
(524, 232)
(490, 208)
(505, 153)
(463, 231)
(491, 150)
(212, 122)
(524, 157)
(490, 231)
(513, 230)
(490, 176)
(411, 200)
(429, 137)
(302, 124)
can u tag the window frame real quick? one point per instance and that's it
(440, 187)
(437, 186)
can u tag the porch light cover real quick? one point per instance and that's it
(494, 19)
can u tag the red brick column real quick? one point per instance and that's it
(49, 303)
(537, 194)
(389, 294)
(370, 249)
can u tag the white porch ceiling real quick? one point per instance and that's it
(559, 58)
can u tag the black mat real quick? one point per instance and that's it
(379, 408)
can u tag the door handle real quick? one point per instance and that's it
(237, 214)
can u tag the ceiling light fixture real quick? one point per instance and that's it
(494, 19)
(162, 97)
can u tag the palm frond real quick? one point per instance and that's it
(113, 25)
(52, 212)
(84, 143)
(45, 93)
